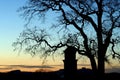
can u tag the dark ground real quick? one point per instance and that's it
(83, 74)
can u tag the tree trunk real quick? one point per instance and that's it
(93, 64)
(101, 65)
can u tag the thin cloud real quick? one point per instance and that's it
(29, 66)
(6, 68)
(83, 64)
(114, 69)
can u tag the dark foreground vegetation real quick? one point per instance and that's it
(83, 74)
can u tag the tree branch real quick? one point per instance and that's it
(114, 53)
(86, 17)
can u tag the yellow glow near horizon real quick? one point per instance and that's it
(26, 59)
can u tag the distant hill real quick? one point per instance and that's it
(83, 74)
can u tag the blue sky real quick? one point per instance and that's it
(11, 24)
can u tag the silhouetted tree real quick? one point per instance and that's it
(35, 40)
(101, 17)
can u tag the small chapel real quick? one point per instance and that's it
(70, 63)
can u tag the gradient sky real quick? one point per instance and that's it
(11, 25)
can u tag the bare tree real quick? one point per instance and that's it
(35, 41)
(100, 16)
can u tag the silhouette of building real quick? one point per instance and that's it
(70, 63)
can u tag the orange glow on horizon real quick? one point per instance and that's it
(28, 68)
(7, 68)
